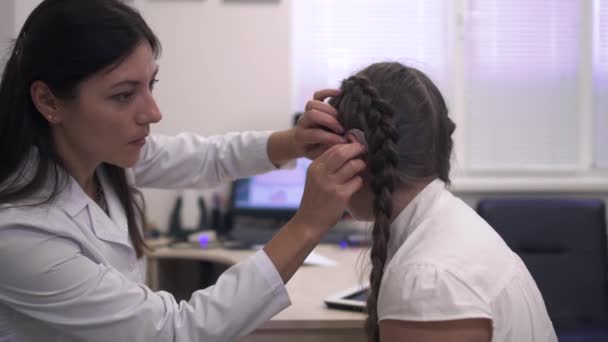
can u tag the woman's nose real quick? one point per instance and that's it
(149, 113)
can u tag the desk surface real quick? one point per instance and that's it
(307, 288)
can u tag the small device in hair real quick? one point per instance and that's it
(358, 135)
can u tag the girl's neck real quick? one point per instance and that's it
(404, 195)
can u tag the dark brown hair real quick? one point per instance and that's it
(408, 131)
(62, 43)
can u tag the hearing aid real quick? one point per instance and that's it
(358, 136)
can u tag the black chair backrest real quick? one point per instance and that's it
(563, 244)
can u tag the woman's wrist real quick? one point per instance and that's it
(290, 246)
(304, 230)
(282, 147)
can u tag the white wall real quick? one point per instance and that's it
(7, 25)
(23, 8)
(225, 67)
(12, 16)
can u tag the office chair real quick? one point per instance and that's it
(563, 244)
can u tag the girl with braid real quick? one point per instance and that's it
(439, 271)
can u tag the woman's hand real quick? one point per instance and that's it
(330, 182)
(316, 130)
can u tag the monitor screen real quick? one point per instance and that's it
(277, 191)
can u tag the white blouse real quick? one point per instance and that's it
(446, 263)
(70, 273)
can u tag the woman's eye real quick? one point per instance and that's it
(154, 81)
(123, 97)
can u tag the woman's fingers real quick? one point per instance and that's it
(330, 181)
(349, 170)
(352, 186)
(317, 118)
(322, 107)
(318, 128)
(315, 151)
(338, 155)
(323, 94)
(313, 137)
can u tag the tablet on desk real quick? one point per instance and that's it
(352, 299)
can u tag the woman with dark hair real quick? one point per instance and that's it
(439, 271)
(76, 106)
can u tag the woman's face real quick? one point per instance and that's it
(110, 117)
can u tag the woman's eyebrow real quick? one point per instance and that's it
(134, 82)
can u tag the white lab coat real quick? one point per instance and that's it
(69, 272)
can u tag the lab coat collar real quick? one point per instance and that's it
(72, 199)
(410, 217)
(112, 228)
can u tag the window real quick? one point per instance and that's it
(334, 38)
(522, 74)
(517, 74)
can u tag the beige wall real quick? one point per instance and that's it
(225, 67)
(23, 8)
(7, 26)
(12, 16)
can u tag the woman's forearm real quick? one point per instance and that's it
(290, 246)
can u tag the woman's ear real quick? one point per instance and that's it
(45, 102)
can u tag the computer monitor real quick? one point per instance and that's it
(276, 194)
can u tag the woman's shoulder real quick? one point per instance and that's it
(26, 213)
(26, 227)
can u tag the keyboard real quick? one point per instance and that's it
(258, 235)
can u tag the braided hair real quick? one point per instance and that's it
(408, 131)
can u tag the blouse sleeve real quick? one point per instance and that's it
(428, 293)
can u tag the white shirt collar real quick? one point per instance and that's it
(73, 200)
(410, 217)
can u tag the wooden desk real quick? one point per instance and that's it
(307, 319)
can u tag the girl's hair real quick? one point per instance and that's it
(62, 43)
(408, 131)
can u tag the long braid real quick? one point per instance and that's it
(375, 116)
